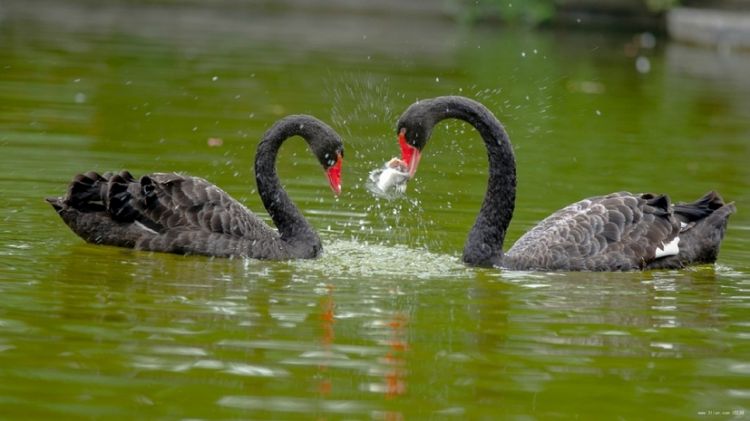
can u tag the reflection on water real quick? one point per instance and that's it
(387, 324)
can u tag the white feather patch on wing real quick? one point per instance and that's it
(670, 249)
(143, 227)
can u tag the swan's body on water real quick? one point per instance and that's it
(176, 213)
(619, 231)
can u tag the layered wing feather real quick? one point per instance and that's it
(165, 212)
(620, 231)
(167, 201)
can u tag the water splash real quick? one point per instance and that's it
(356, 259)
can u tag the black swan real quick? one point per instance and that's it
(176, 213)
(620, 231)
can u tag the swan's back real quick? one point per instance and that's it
(624, 231)
(177, 201)
(165, 212)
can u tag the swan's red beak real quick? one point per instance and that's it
(409, 154)
(334, 175)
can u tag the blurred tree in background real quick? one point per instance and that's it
(536, 12)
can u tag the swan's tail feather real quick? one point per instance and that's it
(703, 240)
(56, 202)
(660, 203)
(148, 189)
(87, 192)
(701, 208)
(101, 208)
(120, 198)
(704, 223)
(93, 192)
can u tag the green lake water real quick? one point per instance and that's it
(388, 324)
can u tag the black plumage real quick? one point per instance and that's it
(175, 213)
(619, 231)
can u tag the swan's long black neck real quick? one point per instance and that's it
(293, 227)
(484, 245)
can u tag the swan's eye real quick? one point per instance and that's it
(402, 135)
(332, 161)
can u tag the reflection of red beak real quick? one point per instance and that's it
(334, 176)
(409, 154)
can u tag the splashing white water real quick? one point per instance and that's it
(359, 260)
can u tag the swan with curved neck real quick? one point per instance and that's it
(174, 213)
(620, 231)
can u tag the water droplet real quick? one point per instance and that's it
(215, 78)
(598, 112)
(80, 98)
(643, 64)
(437, 79)
(523, 53)
(648, 40)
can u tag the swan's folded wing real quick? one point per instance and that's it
(167, 201)
(618, 231)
